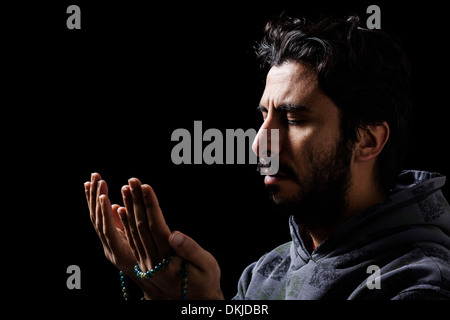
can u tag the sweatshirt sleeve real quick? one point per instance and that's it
(246, 278)
(421, 294)
(244, 282)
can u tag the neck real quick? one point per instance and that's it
(360, 197)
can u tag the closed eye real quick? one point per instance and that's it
(263, 110)
(295, 122)
(287, 111)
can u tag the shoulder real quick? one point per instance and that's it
(274, 257)
(269, 261)
(424, 273)
(273, 264)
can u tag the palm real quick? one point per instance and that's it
(120, 253)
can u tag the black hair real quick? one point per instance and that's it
(365, 72)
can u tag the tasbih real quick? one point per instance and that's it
(153, 272)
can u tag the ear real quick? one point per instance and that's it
(372, 141)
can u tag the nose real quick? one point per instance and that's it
(266, 143)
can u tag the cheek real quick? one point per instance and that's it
(308, 147)
(301, 147)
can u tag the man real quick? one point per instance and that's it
(339, 96)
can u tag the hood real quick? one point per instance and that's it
(415, 210)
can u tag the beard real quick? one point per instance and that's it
(322, 196)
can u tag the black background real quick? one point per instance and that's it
(107, 98)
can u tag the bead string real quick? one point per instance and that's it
(151, 273)
(184, 279)
(123, 281)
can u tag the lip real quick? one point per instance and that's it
(273, 179)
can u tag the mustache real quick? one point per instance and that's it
(283, 168)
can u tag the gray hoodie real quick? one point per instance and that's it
(397, 249)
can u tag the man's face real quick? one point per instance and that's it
(314, 164)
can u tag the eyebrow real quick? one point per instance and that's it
(288, 107)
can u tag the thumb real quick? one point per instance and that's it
(189, 250)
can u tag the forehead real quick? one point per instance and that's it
(289, 82)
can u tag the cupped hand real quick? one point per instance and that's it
(108, 225)
(138, 232)
(151, 241)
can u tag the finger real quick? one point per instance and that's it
(102, 189)
(87, 186)
(131, 223)
(156, 223)
(95, 177)
(142, 225)
(87, 191)
(100, 232)
(123, 217)
(109, 228)
(189, 250)
(116, 218)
